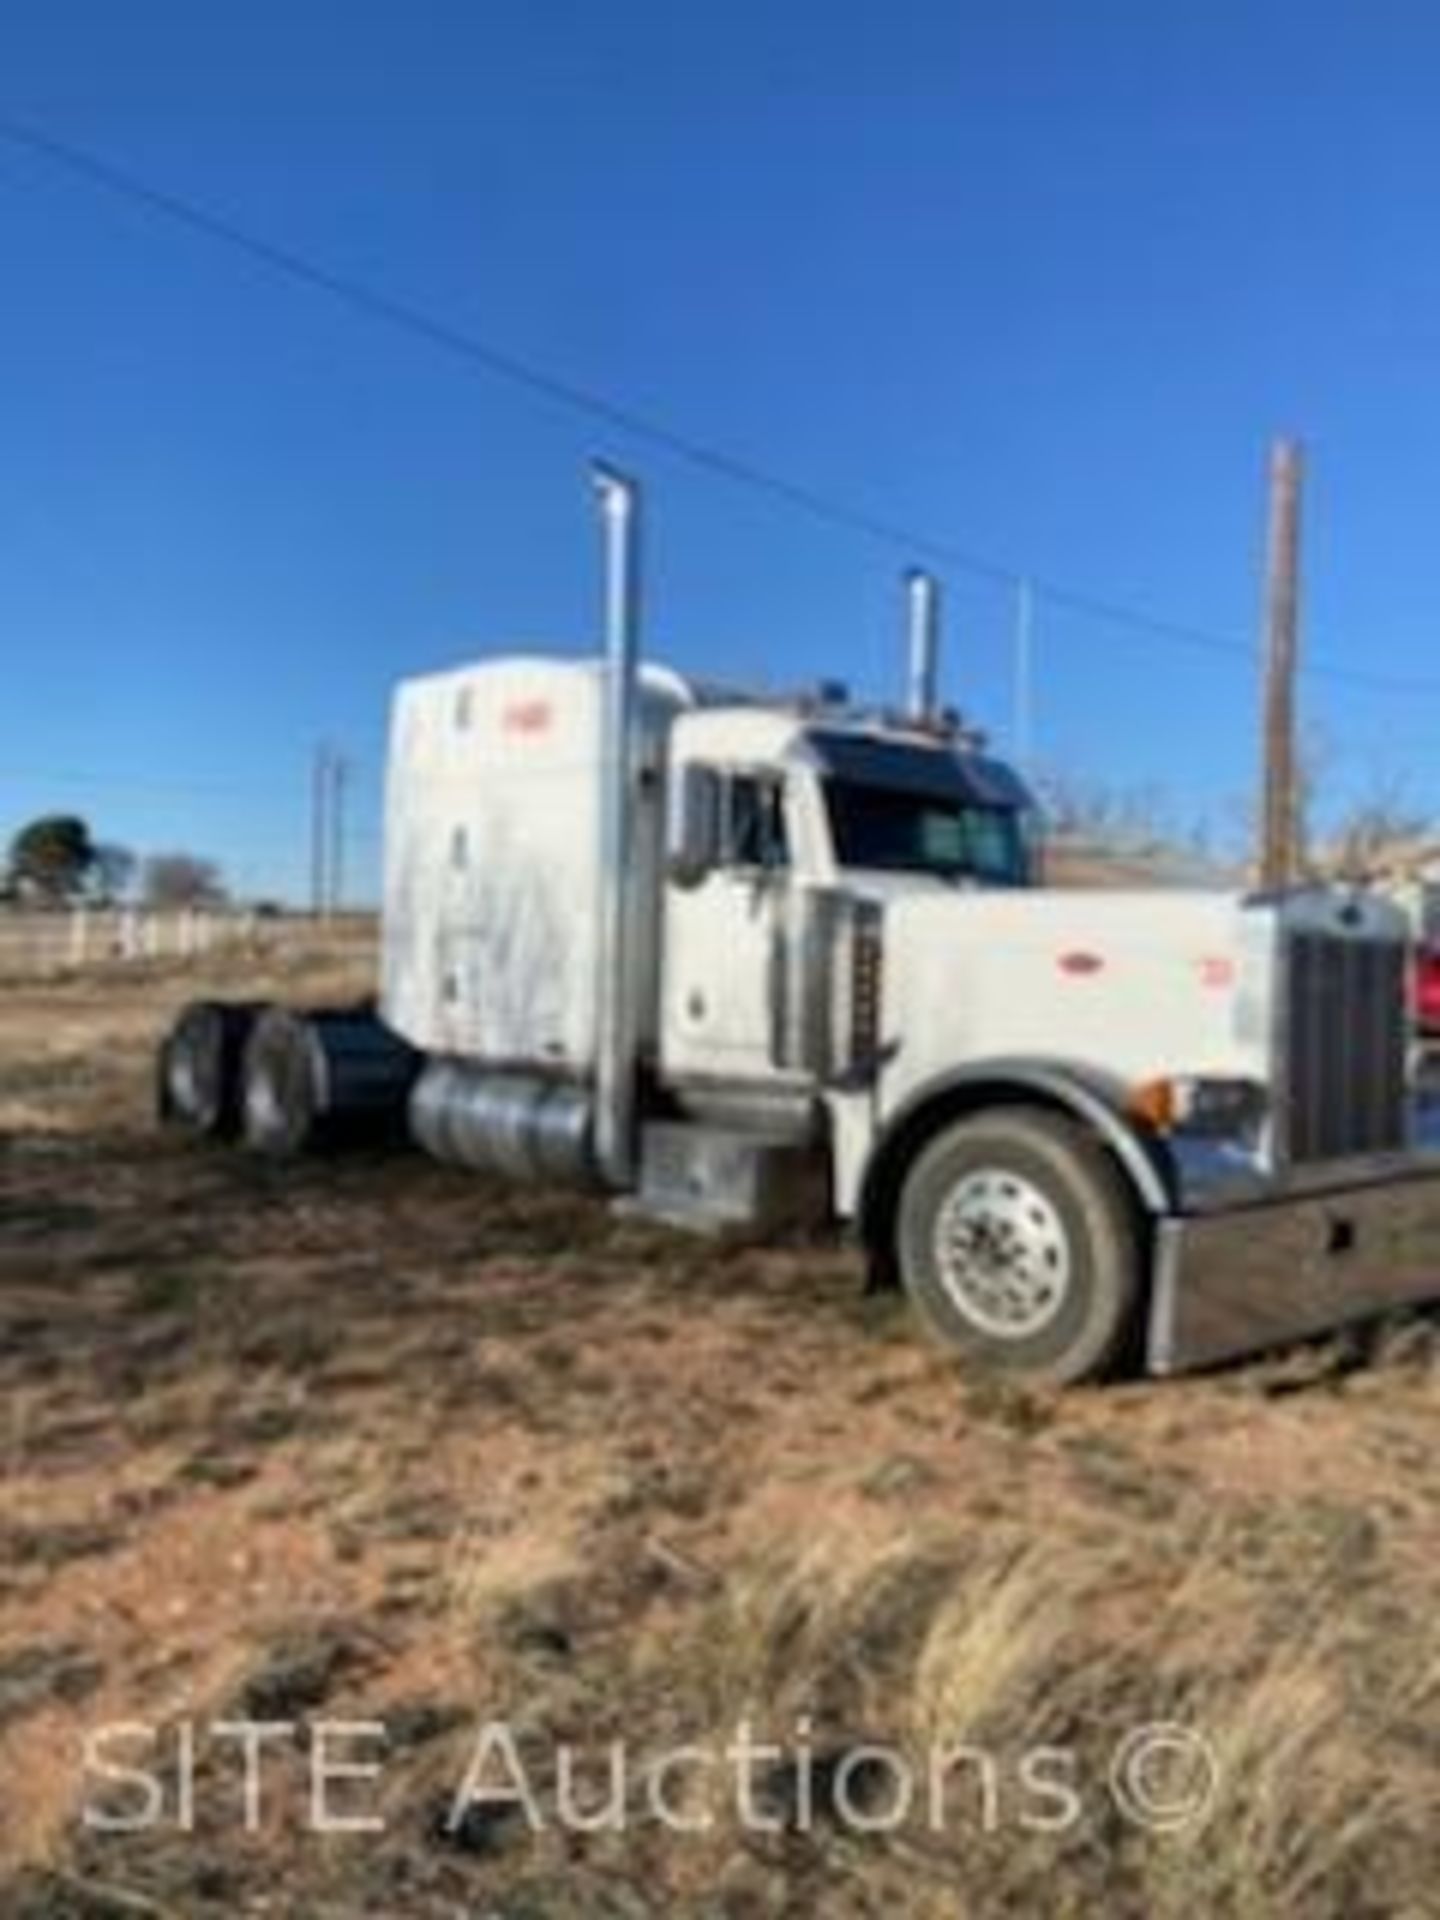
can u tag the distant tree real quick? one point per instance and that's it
(52, 858)
(1113, 816)
(1348, 826)
(113, 870)
(181, 880)
(1381, 824)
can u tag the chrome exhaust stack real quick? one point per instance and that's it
(616, 1041)
(922, 604)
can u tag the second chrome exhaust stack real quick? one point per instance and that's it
(922, 610)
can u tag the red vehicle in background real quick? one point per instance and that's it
(1426, 987)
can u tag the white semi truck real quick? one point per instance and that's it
(759, 963)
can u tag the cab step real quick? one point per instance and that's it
(718, 1180)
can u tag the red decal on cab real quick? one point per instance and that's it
(1217, 971)
(527, 716)
(1080, 963)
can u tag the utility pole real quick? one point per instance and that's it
(319, 832)
(339, 775)
(1022, 714)
(1280, 824)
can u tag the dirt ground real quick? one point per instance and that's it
(479, 1488)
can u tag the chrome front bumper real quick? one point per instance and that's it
(1266, 1271)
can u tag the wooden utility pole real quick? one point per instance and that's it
(339, 775)
(319, 832)
(1022, 723)
(1280, 821)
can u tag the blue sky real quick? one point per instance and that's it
(1039, 280)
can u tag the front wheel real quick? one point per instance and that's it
(1017, 1243)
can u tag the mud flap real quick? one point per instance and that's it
(1262, 1275)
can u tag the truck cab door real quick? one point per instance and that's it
(721, 934)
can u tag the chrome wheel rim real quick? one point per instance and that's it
(263, 1109)
(1002, 1254)
(184, 1082)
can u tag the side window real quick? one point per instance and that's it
(755, 822)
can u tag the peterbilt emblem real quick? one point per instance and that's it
(1080, 963)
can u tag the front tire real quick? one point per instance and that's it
(1018, 1244)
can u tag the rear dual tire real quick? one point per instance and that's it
(287, 1081)
(249, 1071)
(201, 1063)
(1018, 1245)
(283, 1086)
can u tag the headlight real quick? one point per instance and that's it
(1198, 1103)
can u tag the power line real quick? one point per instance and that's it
(410, 318)
(128, 783)
(133, 784)
(458, 342)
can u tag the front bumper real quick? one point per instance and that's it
(1264, 1271)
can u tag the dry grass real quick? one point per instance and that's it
(972, 1660)
(371, 1439)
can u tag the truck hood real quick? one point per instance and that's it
(1129, 985)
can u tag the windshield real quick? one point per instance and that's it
(902, 832)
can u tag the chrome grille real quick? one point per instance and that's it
(1346, 1031)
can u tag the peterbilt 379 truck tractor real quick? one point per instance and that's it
(758, 963)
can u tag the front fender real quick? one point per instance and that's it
(1056, 1085)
